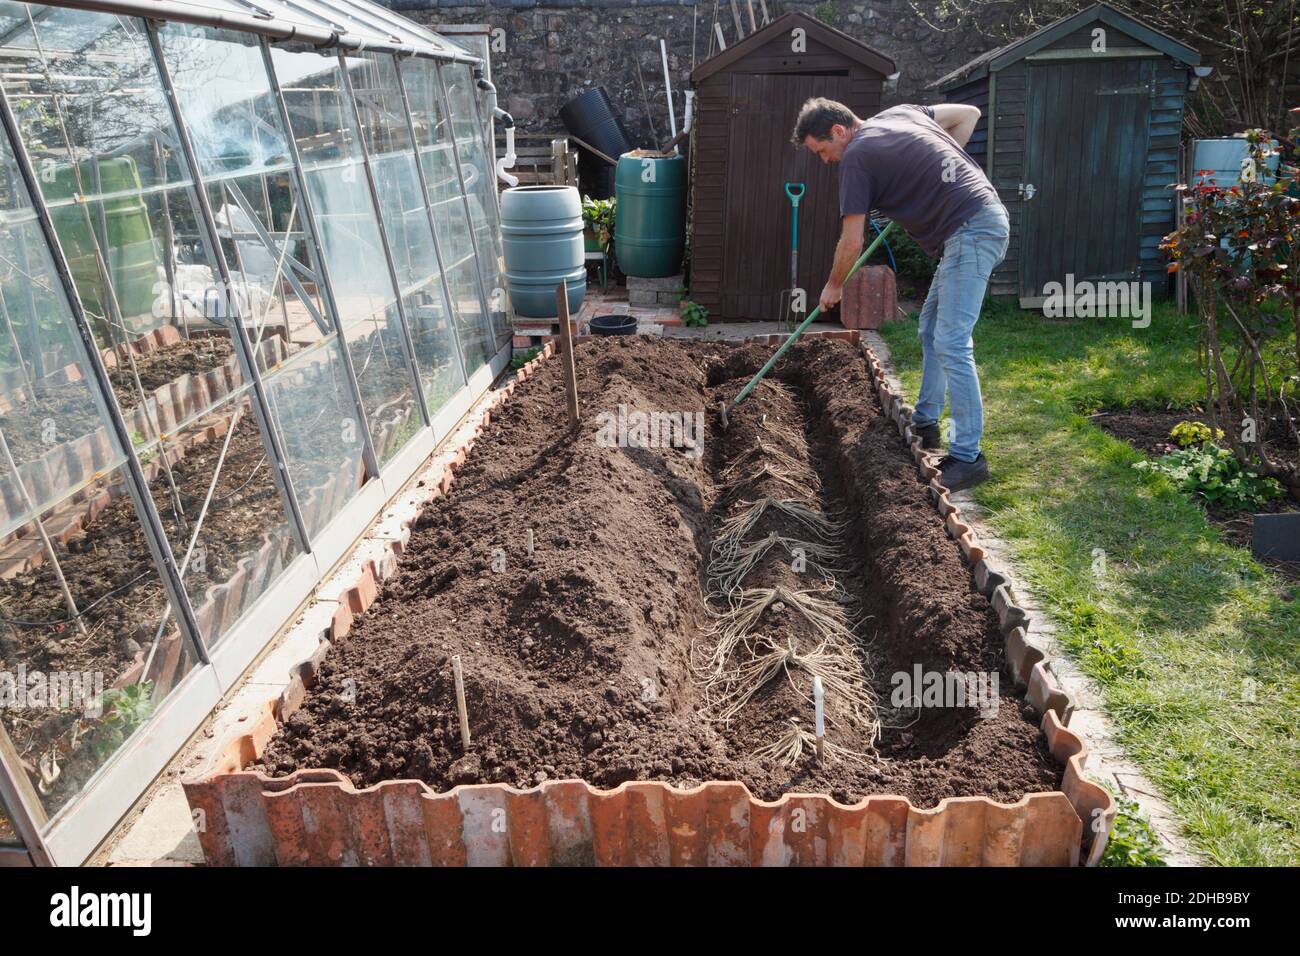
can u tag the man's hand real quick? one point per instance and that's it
(831, 296)
(847, 251)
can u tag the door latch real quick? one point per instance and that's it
(1026, 190)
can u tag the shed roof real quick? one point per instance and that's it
(1004, 56)
(351, 24)
(851, 47)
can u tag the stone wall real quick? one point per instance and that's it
(556, 49)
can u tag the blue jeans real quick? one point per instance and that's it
(947, 320)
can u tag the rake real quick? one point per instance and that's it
(724, 408)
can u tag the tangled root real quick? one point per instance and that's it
(789, 748)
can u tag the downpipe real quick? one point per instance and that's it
(508, 123)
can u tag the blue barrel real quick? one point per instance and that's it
(1221, 158)
(541, 234)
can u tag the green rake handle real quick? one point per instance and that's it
(776, 357)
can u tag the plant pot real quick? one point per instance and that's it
(613, 325)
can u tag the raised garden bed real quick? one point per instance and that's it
(632, 649)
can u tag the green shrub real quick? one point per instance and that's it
(1187, 434)
(519, 361)
(694, 314)
(1214, 474)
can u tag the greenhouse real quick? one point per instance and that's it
(249, 278)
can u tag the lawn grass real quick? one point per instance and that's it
(1195, 645)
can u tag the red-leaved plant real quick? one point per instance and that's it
(1239, 246)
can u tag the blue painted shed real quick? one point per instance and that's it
(1080, 135)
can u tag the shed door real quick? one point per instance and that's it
(760, 161)
(1085, 155)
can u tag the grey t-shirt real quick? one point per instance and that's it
(904, 164)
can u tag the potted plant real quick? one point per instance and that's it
(598, 224)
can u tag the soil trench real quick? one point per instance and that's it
(679, 595)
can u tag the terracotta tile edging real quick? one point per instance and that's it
(317, 817)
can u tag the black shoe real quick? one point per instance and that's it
(929, 435)
(956, 475)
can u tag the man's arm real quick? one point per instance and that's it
(957, 120)
(847, 251)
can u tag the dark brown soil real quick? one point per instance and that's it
(72, 409)
(1148, 431)
(157, 368)
(578, 656)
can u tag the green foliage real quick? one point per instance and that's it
(827, 13)
(598, 215)
(1186, 434)
(914, 269)
(127, 708)
(1214, 474)
(1132, 841)
(519, 361)
(694, 314)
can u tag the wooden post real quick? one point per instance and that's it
(735, 13)
(753, 23)
(566, 339)
(459, 677)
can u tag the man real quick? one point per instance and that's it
(909, 163)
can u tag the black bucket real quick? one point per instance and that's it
(613, 325)
(591, 117)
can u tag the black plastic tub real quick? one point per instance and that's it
(613, 325)
(591, 116)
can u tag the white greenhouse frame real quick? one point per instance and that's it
(439, 324)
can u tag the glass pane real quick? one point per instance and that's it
(96, 125)
(234, 123)
(54, 437)
(316, 420)
(227, 526)
(379, 360)
(324, 126)
(86, 628)
(480, 187)
(433, 137)
(406, 219)
(8, 832)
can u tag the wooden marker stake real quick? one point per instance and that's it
(529, 542)
(460, 700)
(566, 338)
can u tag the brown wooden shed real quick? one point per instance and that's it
(747, 99)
